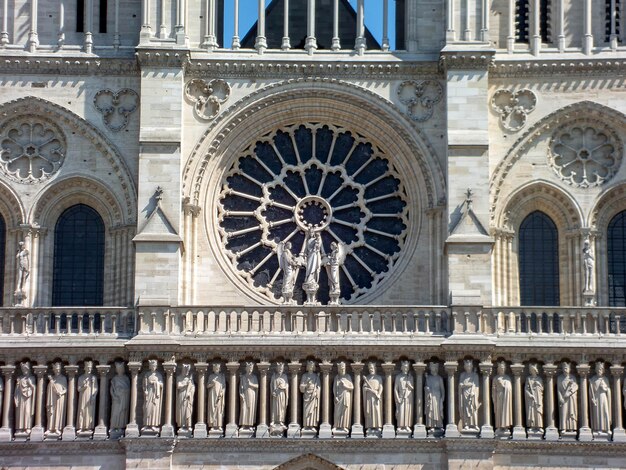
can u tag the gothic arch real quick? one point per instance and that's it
(11, 207)
(608, 204)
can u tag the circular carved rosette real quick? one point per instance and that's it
(313, 178)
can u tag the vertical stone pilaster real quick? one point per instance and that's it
(167, 430)
(584, 432)
(132, 429)
(69, 432)
(519, 432)
(452, 430)
(619, 435)
(37, 432)
(6, 432)
(552, 433)
(262, 429)
(357, 408)
(294, 401)
(100, 433)
(200, 430)
(486, 430)
(231, 427)
(419, 431)
(325, 427)
(389, 431)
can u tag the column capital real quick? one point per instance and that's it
(103, 369)
(201, 367)
(169, 367)
(134, 367)
(617, 371)
(419, 368)
(583, 370)
(326, 367)
(517, 369)
(550, 369)
(388, 367)
(357, 367)
(294, 367)
(7, 371)
(232, 366)
(71, 370)
(486, 368)
(40, 370)
(263, 367)
(451, 366)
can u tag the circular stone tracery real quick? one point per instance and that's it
(313, 177)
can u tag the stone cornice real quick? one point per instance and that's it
(81, 66)
(168, 58)
(459, 59)
(557, 68)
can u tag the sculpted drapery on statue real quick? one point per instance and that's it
(87, 393)
(25, 387)
(403, 394)
(333, 264)
(533, 392)
(248, 390)
(567, 393)
(434, 396)
(600, 397)
(153, 397)
(313, 254)
(468, 396)
(120, 397)
(279, 389)
(310, 387)
(56, 399)
(502, 396)
(216, 385)
(185, 392)
(343, 387)
(373, 399)
(289, 265)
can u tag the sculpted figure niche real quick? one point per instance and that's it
(152, 399)
(533, 393)
(567, 393)
(24, 397)
(468, 396)
(434, 396)
(87, 393)
(403, 395)
(185, 392)
(372, 400)
(333, 263)
(310, 387)
(56, 399)
(502, 396)
(248, 390)
(343, 387)
(216, 385)
(313, 254)
(600, 397)
(289, 265)
(279, 389)
(120, 398)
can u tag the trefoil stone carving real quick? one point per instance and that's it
(513, 107)
(207, 97)
(420, 98)
(116, 107)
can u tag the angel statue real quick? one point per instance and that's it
(333, 263)
(289, 265)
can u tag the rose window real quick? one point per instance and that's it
(313, 179)
(584, 156)
(31, 150)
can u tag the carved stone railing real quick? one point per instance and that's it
(344, 320)
(66, 321)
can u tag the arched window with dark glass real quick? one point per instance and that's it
(616, 256)
(78, 277)
(538, 260)
(523, 16)
(3, 231)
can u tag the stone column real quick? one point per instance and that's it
(199, 430)
(167, 430)
(336, 43)
(486, 430)
(4, 35)
(69, 431)
(88, 26)
(311, 42)
(262, 430)
(357, 409)
(552, 433)
(261, 42)
(419, 431)
(561, 28)
(6, 433)
(231, 426)
(584, 432)
(360, 45)
(618, 429)
(519, 432)
(325, 427)
(294, 400)
(38, 430)
(535, 36)
(132, 429)
(100, 433)
(389, 431)
(33, 38)
(452, 430)
(587, 29)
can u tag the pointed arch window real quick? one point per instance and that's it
(78, 276)
(3, 232)
(616, 255)
(538, 261)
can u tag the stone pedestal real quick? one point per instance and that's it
(246, 433)
(585, 435)
(486, 432)
(308, 433)
(470, 433)
(100, 433)
(325, 431)
(343, 433)
(419, 432)
(184, 433)
(114, 434)
(619, 435)
(405, 433)
(262, 430)
(569, 435)
(389, 432)
(167, 430)
(552, 434)
(5, 435)
(452, 430)
(37, 434)
(232, 430)
(199, 431)
(535, 434)
(519, 433)
(356, 431)
(69, 433)
(293, 430)
(132, 430)
(503, 433)
(216, 433)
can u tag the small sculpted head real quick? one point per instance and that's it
(371, 367)
(566, 367)
(404, 367)
(25, 368)
(310, 366)
(56, 368)
(533, 369)
(280, 367)
(600, 368)
(120, 368)
(341, 367)
(433, 367)
(249, 367)
(88, 367)
(186, 369)
(468, 365)
(501, 368)
(152, 365)
(217, 367)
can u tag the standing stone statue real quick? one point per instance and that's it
(434, 396)
(403, 389)
(87, 393)
(216, 386)
(343, 387)
(502, 396)
(533, 393)
(185, 392)
(120, 397)
(56, 399)
(279, 389)
(313, 254)
(333, 265)
(600, 397)
(567, 393)
(152, 398)
(468, 396)
(24, 397)
(289, 265)
(373, 400)
(23, 266)
(588, 265)
(310, 387)
(248, 390)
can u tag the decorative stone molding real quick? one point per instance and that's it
(70, 66)
(513, 107)
(11, 208)
(162, 58)
(466, 60)
(207, 97)
(420, 98)
(32, 149)
(116, 106)
(557, 68)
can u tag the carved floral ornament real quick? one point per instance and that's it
(31, 149)
(513, 107)
(207, 97)
(420, 98)
(116, 107)
(585, 154)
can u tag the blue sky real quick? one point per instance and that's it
(248, 16)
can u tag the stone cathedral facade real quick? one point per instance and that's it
(357, 234)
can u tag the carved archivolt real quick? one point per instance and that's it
(585, 154)
(32, 149)
(116, 106)
(420, 98)
(207, 97)
(513, 107)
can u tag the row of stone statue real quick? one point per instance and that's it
(362, 402)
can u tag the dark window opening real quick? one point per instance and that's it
(616, 255)
(523, 19)
(538, 261)
(607, 20)
(80, 16)
(78, 273)
(544, 21)
(103, 16)
(3, 231)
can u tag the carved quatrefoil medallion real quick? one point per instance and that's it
(207, 97)
(116, 107)
(420, 98)
(584, 156)
(31, 149)
(513, 107)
